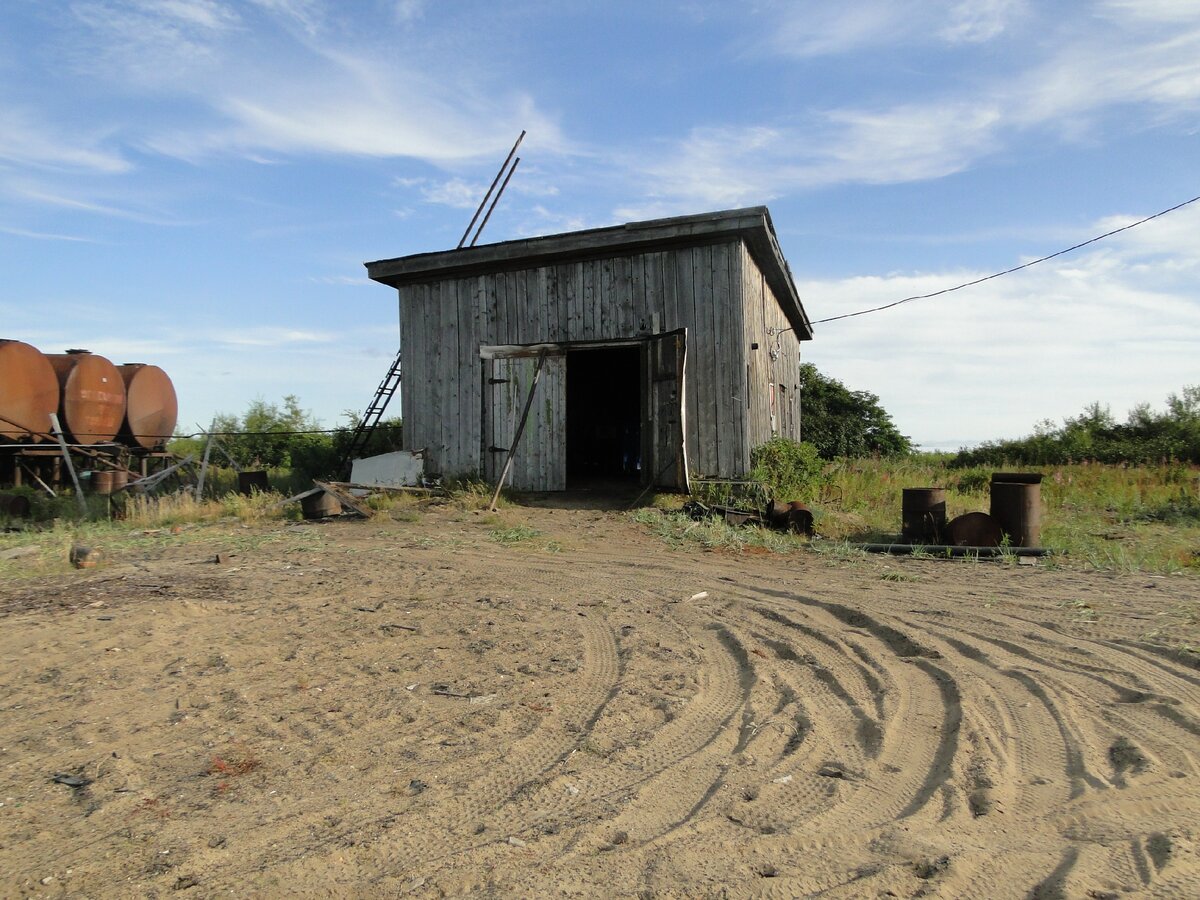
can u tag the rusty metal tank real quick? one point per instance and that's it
(1017, 506)
(923, 514)
(92, 403)
(151, 407)
(28, 392)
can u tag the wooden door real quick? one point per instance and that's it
(540, 461)
(668, 353)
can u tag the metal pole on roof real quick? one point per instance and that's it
(495, 181)
(495, 201)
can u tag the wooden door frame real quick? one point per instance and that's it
(491, 352)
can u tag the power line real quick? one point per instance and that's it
(967, 284)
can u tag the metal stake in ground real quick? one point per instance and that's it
(537, 374)
(62, 442)
(204, 462)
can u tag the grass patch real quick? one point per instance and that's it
(514, 534)
(679, 530)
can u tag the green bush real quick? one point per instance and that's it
(788, 469)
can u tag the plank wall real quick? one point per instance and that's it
(776, 361)
(700, 288)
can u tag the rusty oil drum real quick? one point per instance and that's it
(249, 482)
(320, 506)
(923, 515)
(92, 404)
(1017, 507)
(102, 481)
(151, 407)
(28, 392)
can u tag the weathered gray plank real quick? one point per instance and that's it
(621, 303)
(680, 263)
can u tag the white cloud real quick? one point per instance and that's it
(1094, 76)
(46, 236)
(977, 21)
(1108, 323)
(26, 141)
(813, 28)
(291, 77)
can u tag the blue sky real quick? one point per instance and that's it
(196, 183)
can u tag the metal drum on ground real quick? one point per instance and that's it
(1017, 508)
(923, 515)
(320, 506)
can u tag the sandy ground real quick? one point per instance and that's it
(410, 708)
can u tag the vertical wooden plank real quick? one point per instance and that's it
(637, 297)
(591, 286)
(621, 303)
(431, 324)
(735, 349)
(652, 294)
(548, 289)
(758, 361)
(605, 305)
(512, 309)
(559, 312)
(722, 358)
(414, 349)
(682, 263)
(447, 371)
(468, 354)
(573, 300)
(474, 370)
(671, 317)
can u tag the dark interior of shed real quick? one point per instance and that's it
(604, 415)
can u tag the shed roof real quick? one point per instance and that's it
(752, 224)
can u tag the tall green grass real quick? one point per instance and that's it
(1142, 518)
(1126, 518)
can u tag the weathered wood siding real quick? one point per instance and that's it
(715, 291)
(776, 361)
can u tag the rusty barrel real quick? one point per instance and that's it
(249, 482)
(973, 529)
(102, 481)
(92, 404)
(923, 515)
(28, 392)
(1017, 507)
(15, 506)
(151, 407)
(319, 506)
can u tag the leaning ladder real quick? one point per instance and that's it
(366, 425)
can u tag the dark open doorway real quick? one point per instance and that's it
(604, 415)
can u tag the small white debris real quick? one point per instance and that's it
(783, 779)
(572, 790)
(411, 687)
(703, 595)
(516, 842)
(482, 700)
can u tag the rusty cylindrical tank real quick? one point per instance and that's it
(93, 396)
(249, 482)
(973, 529)
(923, 515)
(28, 392)
(151, 407)
(320, 506)
(1017, 508)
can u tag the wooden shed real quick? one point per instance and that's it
(667, 349)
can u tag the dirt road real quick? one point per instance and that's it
(392, 708)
